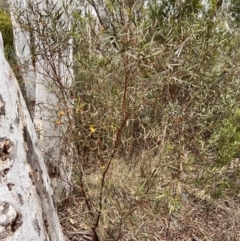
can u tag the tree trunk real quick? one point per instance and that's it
(27, 210)
(23, 43)
(45, 54)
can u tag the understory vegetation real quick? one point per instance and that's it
(7, 33)
(156, 122)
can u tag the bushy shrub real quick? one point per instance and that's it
(167, 85)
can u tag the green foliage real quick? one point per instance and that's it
(235, 10)
(226, 137)
(174, 8)
(7, 33)
(220, 172)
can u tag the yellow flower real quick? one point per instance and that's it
(58, 122)
(92, 129)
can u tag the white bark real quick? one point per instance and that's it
(27, 211)
(23, 45)
(50, 77)
(54, 76)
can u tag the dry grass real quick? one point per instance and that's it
(161, 208)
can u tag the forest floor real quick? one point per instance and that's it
(183, 211)
(197, 220)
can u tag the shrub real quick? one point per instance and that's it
(226, 138)
(166, 84)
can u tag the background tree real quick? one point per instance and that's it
(43, 48)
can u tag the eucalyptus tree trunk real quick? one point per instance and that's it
(27, 209)
(43, 44)
(23, 41)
